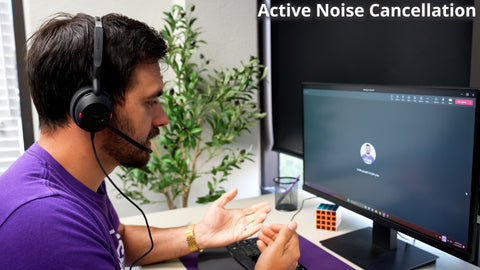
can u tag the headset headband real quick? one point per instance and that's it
(97, 56)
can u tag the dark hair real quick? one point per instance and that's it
(59, 60)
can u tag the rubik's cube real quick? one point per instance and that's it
(327, 217)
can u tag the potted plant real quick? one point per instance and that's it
(207, 110)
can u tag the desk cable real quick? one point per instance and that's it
(92, 136)
(301, 207)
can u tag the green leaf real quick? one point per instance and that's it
(209, 109)
(196, 130)
(210, 186)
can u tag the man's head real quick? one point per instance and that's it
(367, 149)
(59, 61)
(139, 117)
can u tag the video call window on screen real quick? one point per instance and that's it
(403, 154)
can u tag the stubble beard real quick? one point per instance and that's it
(124, 152)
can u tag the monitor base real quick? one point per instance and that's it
(358, 247)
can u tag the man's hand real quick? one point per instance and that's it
(279, 247)
(220, 227)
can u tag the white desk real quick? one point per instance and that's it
(306, 227)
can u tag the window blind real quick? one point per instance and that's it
(11, 135)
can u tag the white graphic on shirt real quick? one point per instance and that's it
(120, 249)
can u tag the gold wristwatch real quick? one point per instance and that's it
(192, 244)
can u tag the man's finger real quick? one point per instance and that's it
(226, 197)
(265, 237)
(253, 209)
(261, 245)
(286, 234)
(273, 228)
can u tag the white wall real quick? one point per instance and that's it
(230, 29)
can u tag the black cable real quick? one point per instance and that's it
(92, 136)
(301, 207)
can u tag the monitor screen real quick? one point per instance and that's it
(402, 156)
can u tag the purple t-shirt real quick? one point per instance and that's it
(49, 220)
(368, 159)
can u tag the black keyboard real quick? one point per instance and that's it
(246, 253)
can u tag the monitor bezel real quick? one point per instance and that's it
(470, 254)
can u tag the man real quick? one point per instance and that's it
(367, 157)
(54, 210)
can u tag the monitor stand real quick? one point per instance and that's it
(378, 248)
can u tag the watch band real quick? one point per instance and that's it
(190, 235)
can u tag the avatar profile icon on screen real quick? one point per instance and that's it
(368, 153)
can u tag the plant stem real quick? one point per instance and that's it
(170, 203)
(185, 193)
(186, 190)
(196, 153)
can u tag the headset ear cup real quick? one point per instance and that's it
(90, 112)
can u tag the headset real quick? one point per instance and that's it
(92, 110)
(90, 107)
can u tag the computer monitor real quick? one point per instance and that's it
(405, 157)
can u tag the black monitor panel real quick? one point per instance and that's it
(402, 156)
